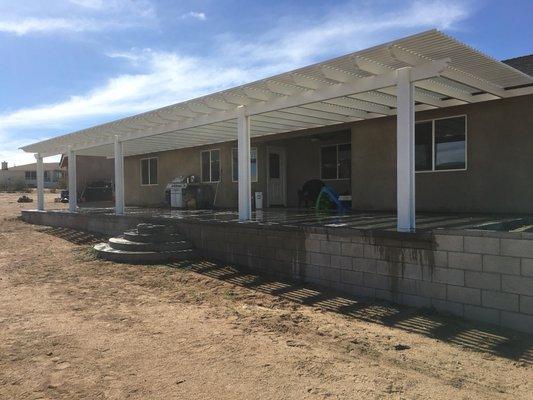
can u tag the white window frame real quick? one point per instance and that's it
(252, 149)
(210, 165)
(433, 170)
(320, 161)
(141, 171)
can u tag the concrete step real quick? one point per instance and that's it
(155, 229)
(106, 252)
(118, 243)
(135, 236)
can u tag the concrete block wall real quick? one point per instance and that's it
(485, 276)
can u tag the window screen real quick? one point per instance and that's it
(336, 161)
(450, 143)
(273, 166)
(153, 171)
(423, 146)
(440, 144)
(149, 171)
(210, 166)
(328, 158)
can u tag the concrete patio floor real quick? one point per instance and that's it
(372, 220)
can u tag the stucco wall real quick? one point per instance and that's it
(91, 169)
(500, 164)
(499, 158)
(303, 156)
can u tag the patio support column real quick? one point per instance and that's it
(119, 176)
(405, 136)
(243, 150)
(72, 190)
(40, 182)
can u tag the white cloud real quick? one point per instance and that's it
(94, 4)
(168, 77)
(31, 25)
(196, 15)
(75, 16)
(9, 151)
(342, 31)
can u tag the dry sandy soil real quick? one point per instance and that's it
(75, 327)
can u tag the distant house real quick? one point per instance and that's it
(26, 175)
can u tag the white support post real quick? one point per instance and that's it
(40, 182)
(243, 145)
(72, 190)
(405, 136)
(119, 176)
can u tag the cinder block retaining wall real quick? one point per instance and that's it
(478, 275)
(486, 276)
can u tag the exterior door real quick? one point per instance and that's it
(276, 177)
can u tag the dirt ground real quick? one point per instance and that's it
(74, 327)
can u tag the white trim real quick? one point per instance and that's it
(256, 163)
(433, 153)
(210, 162)
(141, 171)
(320, 162)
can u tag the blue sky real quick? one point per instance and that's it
(70, 64)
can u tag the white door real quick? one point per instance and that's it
(276, 176)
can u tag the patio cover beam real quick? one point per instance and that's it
(411, 58)
(322, 93)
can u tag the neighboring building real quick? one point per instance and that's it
(89, 170)
(26, 176)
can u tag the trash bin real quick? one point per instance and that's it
(258, 200)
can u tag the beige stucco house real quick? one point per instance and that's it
(424, 117)
(26, 176)
(424, 127)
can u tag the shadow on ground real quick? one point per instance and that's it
(74, 236)
(475, 336)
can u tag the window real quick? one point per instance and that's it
(440, 145)
(336, 161)
(211, 166)
(57, 175)
(149, 171)
(30, 175)
(47, 176)
(273, 165)
(235, 165)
